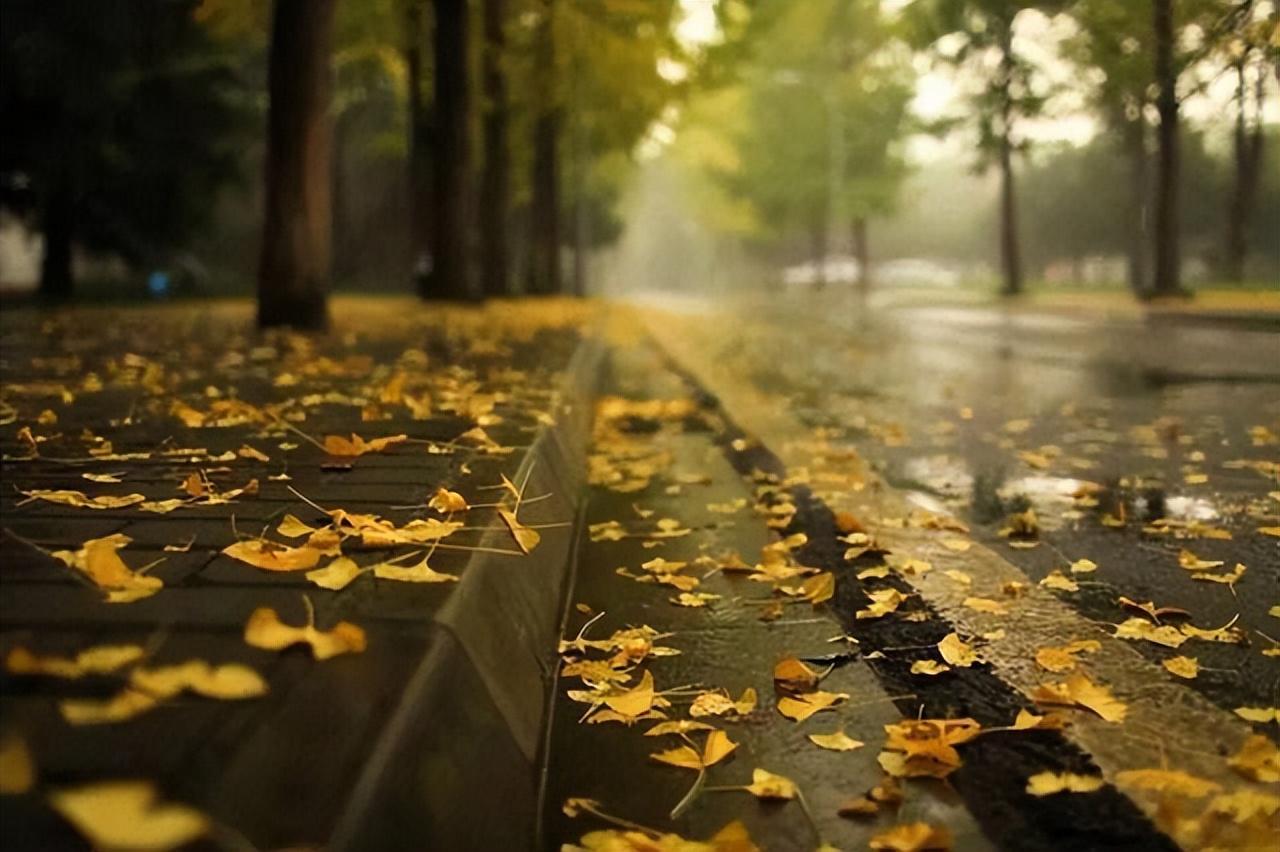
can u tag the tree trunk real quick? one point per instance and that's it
(1010, 258)
(862, 251)
(1167, 253)
(58, 227)
(818, 241)
(419, 125)
(294, 268)
(495, 183)
(544, 254)
(452, 195)
(1247, 155)
(1135, 140)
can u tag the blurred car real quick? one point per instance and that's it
(915, 272)
(837, 269)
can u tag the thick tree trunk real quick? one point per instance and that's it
(452, 195)
(1135, 141)
(1167, 253)
(862, 251)
(544, 254)
(58, 227)
(1010, 256)
(294, 268)
(495, 183)
(419, 162)
(1247, 155)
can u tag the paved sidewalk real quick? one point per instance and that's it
(138, 401)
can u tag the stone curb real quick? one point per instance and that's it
(456, 766)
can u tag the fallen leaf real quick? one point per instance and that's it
(1084, 566)
(106, 478)
(836, 741)
(526, 539)
(790, 675)
(1259, 715)
(1191, 562)
(1048, 783)
(929, 667)
(1079, 691)
(1059, 581)
(1171, 781)
(337, 575)
(718, 704)
(985, 605)
(1245, 805)
(912, 837)
(99, 560)
(883, 602)
(446, 501)
(229, 681)
(819, 588)
(336, 445)
(419, 573)
(1140, 628)
(767, 785)
(98, 660)
(801, 707)
(956, 651)
(265, 630)
(126, 815)
(79, 500)
(1063, 658)
(634, 701)
(1185, 667)
(17, 769)
(1258, 760)
(272, 556)
(717, 747)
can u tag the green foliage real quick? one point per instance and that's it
(810, 83)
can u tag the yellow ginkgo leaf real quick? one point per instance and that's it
(99, 560)
(337, 575)
(836, 741)
(526, 539)
(767, 785)
(1079, 691)
(1185, 667)
(1172, 781)
(291, 527)
(228, 681)
(956, 651)
(271, 556)
(265, 630)
(1048, 783)
(420, 573)
(912, 837)
(101, 659)
(126, 815)
(801, 707)
(634, 701)
(1261, 715)
(717, 747)
(336, 445)
(80, 501)
(446, 502)
(1258, 760)
(929, 667)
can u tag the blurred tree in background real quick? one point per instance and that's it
(120, 121)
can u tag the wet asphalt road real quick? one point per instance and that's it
(971, 414)
(982, 413)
